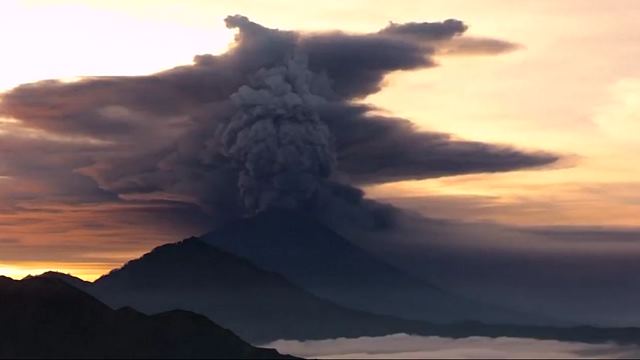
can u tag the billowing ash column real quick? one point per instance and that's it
(283, 151)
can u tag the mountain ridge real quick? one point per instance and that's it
(258, 305)
(45, 317)
(583, 334)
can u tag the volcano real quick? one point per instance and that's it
(281, 275)
(258, 305)
(317, 259)
(262, 306)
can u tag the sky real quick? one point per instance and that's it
(571, 87)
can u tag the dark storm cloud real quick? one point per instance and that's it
(163, 135)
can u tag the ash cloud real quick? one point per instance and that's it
(277, 140)
(375, 149)
(576, 275)
(176, 143)
(271, 122)
(426, 31)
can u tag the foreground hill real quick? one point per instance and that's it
(48, 318)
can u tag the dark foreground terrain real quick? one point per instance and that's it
(47, 318)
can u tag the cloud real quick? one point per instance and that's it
(618, 119)
(405, 346)
(478, 46)
(579, 275)
(378, 149)
(106, 233)
(9, 241)
(424, 32)
(573, 203)
(161, 135)
(36, 165)
(272, 121)
(103, 168)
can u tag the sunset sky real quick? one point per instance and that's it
(571, 88)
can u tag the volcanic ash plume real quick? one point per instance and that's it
(282, 149)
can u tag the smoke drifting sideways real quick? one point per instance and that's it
(270, 123)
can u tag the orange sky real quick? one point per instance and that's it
(573, 88)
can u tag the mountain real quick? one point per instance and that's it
(258, 305)
(67, 278)
(321, 261)
(44, 317)
(263, 306)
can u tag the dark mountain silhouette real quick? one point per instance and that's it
(67, 278)
(45, 317)
(321, 261)
(258, 305)
(584, 334)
